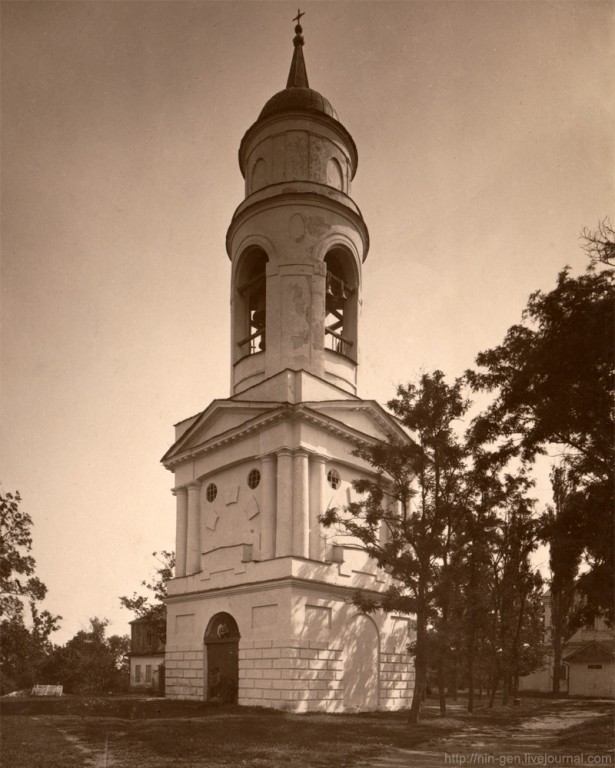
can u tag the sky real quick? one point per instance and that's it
(485, 137)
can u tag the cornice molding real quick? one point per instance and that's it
(335, 591)
(248, 209)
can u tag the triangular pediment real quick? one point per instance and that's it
(221, 418)
(364, 417)
(591, 652)
(225, 421)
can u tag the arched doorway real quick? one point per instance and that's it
(222, 657)
(361, 665)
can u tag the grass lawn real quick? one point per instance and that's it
(153, 733)
(597, 735)
(157, 733)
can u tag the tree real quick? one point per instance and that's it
(142, 606)
(484, 496)
(25, 644)
(561, 526)
(516, 635)
(16, 562)
(553, 379)
(91, 662)
(410, 508)
(600, 244)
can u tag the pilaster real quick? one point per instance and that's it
(268, 531)
(193, 553)
(301, 504)
(181, 530)
(284, 504)
(317, 506)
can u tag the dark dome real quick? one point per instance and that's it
(297, 99)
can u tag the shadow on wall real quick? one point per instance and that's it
(348, 666)
(361, 664)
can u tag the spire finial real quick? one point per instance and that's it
(297, 77)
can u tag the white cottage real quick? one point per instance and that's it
(260, 610)
(588, 661)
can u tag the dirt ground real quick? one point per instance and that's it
(137, 732)
(566, 732)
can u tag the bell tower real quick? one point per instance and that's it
(260, 610)
(297, 243)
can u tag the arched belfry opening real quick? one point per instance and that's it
(250, 297)
(341, 304)
(222, 659)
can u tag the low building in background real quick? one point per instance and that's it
(588, 661)
(146, 656)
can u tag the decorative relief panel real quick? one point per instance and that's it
(211, 518)
(231, 495)
(252, 509)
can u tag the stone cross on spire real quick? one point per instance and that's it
(297, 77)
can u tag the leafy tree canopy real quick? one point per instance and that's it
(554, 378)
(25, 634)
(409, 508)
(17, 565)
(152, 606)
(90, 662)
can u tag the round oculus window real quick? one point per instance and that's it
(211, 492)
(334, 479)
(254, 478)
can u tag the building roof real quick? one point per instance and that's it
(591, 652)
(298, 99)
(297, 96)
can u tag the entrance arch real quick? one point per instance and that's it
(222, 658)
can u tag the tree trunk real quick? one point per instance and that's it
(494, 688)
(419, 687)
(420, 663)
(515, 687)
(557, 662)
(441, 693)
(471, 683)
(453, 687)
(505, 688)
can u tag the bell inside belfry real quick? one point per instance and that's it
(336, 292)
(258, 315)
(337, 295)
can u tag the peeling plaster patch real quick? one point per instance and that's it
(299, 340)
(302, 312)
(296, 227)
(299, 303)
(317, 226)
